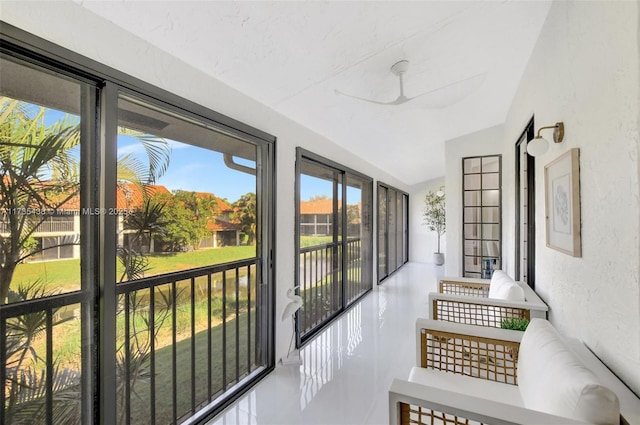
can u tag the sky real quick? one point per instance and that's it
(197, 169)
(202, 170)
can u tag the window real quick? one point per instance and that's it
(122, 218)
(393, 230)
(174, 198)
(334, 240)
(44, 140)
(482, 223)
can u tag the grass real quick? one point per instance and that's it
(307, 241)
(64, 275)
(141, 400)
(61, 275)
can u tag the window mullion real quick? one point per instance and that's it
(107, 143)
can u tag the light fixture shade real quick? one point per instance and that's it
(537, 146)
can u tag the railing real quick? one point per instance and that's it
(356, 286)
(182, 340)
(36, 389)
(54, 226)
(321, 283)
(47, 226)
(320, 286)
(194, 330)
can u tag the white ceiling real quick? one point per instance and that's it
(291, 56)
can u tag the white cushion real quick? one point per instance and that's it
(552, 379)
(504, 288)
(469, 385)
(510, 291)
(498, 279)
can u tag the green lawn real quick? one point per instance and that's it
(140, 402)
(64, 275)
(307, 241)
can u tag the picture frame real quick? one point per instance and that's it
(562, 203)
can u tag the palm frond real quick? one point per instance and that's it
(27, 397)
(157, 149)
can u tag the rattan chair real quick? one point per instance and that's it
(466, 300)
(468, 375)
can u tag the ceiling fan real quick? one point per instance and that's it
(439, 98)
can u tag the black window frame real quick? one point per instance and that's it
(521, 148)
(346, 303)
(98, 378)
(385, 226)
(500, 258)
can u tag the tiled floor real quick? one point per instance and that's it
(348, 368)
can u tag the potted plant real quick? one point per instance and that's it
(434, 217)
(516, 324)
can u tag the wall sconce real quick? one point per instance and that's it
(440, 192)
(539, 145)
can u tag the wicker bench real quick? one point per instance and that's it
(469, 374)
(466, 300)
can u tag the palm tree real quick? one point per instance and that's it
(38, 173)
(145, 221)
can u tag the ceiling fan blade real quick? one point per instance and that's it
(400, 100)
(449, 94)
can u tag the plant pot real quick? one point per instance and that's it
(438, 258)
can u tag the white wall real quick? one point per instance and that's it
(584, 71)
(422, 241)
(75, 28)
(484, 142)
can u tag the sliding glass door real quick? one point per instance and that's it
(334, 241)
(187, 258)
(135, 230)
(46, 281)
(393, 230)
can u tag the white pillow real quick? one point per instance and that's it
(510, 291)
(552, 379)
(498, 279)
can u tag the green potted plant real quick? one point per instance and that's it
(515, 323)
(434, 217)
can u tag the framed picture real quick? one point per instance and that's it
(562, 203)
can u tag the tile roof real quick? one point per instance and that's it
(217, 225)
(129, 195)
(320, 206)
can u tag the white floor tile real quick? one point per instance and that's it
(348, 368)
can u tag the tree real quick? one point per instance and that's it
(38, 175)
(186, 215)
(318, 198)
(434, 213)
(245, 213)
(144, 221)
